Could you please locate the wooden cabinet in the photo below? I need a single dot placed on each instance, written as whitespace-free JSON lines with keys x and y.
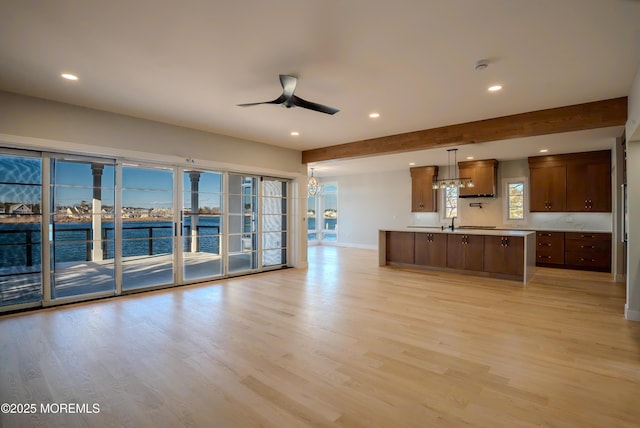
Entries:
{"x":548,"y":187}
{"x":588,"y":250}
{"x":576,"y":182}
{"x":400,"y":247}
{"x":423,"y":196}
{"x":549,"y":248}
{"x":589,"y":182}
{"x":483,"y":173}
{"x":574,"y":250}
{"x":469,"y":253}
{"x":465,"y":252}
{"x":504,"y":254}
{"x":431,"y":249}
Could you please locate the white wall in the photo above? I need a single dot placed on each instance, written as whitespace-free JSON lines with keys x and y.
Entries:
{"x":632,"y":307}
{"x":632,"y":128}
{"x":42,"y":123}
{"x":369,"y":202}
{"x":38,"y":124}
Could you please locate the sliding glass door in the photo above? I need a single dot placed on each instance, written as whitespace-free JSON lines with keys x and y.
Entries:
{"x":274,"y":222}
{"x":81,"y":227}
{"x":148,"y":227}
{"x":20,"y":230}
{"x":78,"y":227}
{"x":201,"y":216}
{"x":242,"y":256}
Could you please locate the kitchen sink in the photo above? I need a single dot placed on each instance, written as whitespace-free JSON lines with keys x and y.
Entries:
{"x":476,"y":227}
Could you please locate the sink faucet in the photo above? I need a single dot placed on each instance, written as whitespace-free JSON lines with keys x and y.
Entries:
{"x":452,"y":227}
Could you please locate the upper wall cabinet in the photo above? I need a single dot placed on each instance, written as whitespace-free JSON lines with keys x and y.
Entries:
{"x":548,"y":180}
{"x":483,"y":173}
{"x":576,"y":182}
{"x":589,"y":182}
{"x":423,"y":196}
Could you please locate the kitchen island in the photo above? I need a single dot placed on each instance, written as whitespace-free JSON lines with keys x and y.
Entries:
{"x":507,"y":254}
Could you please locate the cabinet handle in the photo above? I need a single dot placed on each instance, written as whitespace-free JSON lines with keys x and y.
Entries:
{"x":587,"y":246}
{"x":544,"y":257}
{"x":587,"y":236}
{"x":586,"y":260}
{"x":544,"y":234}
{"x":544,"y":245}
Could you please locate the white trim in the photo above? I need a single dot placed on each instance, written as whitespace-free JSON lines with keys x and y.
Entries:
{"x":443,"y":203}
{"x":631,"y":315}
{"x":353,"y":245}
{"x":505,"y":201}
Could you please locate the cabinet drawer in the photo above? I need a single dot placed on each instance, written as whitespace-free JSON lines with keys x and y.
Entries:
{"x":553,"y":257}
{"x":596,"y":260}
{"x":588,"y":247}
{"x":588,"y":250}
{"x":588,"y":243}
{"x":550,"y":247}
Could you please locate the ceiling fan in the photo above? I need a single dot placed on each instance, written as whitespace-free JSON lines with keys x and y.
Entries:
{"x":288,"y":100}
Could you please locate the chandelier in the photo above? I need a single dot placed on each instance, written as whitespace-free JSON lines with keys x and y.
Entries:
{"x":313,"y":187}
{"x":453,"y":181}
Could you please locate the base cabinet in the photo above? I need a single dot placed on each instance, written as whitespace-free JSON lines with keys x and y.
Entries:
{"x":574,"y":250}
{"x":504,"y":254}
{"x":550,"y":248}
{"x":588,"y":251}
{"x":465,"y":252}
{"x":509,"y":256}
{"x":431,"y":249}
{"x":400,"y":247}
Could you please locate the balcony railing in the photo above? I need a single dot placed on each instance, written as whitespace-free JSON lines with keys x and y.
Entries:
{"x":85,"y":239}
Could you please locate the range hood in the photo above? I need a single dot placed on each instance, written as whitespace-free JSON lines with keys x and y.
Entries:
{"x":484,"y":174}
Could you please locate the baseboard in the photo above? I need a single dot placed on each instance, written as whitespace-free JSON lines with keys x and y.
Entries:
{"x":631,"y":315}
{"x":351,"y":245}
{"x":621,"y":277}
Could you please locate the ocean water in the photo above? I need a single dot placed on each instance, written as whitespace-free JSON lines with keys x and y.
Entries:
{"x":20,"y":243}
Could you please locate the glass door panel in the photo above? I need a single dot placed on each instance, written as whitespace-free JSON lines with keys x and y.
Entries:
{"x":147,"y":227}
{"x":274,"y":222}
{"x":329,"y":217}
{"x":82,"y":201}
{"x":201,"y":225}
{"x":20,"y":230}
{"x":312,"y":234}
{"x":242,"y":230}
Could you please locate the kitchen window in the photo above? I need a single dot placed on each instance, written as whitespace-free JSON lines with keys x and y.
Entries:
{"x":515,"y":209}
{"x":450,"y":202}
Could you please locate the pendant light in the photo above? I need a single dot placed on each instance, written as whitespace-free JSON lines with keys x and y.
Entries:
{"x":454,"y":181}
{"x":313,"y":187}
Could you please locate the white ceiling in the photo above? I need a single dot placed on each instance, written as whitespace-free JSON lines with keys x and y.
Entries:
{"x":190,"y":62}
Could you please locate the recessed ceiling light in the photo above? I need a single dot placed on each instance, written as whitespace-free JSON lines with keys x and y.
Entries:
{"x":412,"y":163}
{"x":544,"y":150}
{"x":469,"y":157}
{"x":294,"y":133}
{"x":495,"y":88}
{"x":374,"y":115}
{"x":69,"y":76}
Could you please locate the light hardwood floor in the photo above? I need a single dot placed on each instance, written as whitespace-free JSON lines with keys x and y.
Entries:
{"x":344,"y":343}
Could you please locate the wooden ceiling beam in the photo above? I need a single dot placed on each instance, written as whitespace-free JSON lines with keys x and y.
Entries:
{"x":598,"y":114}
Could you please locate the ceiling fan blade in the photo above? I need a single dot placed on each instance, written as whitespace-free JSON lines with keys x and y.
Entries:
{"x":281,"y":99}
{"x":297,"y":101}
{"x":288,"y":85}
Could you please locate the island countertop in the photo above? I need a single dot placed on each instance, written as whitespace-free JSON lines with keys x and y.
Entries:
{"x":485,"y":232}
